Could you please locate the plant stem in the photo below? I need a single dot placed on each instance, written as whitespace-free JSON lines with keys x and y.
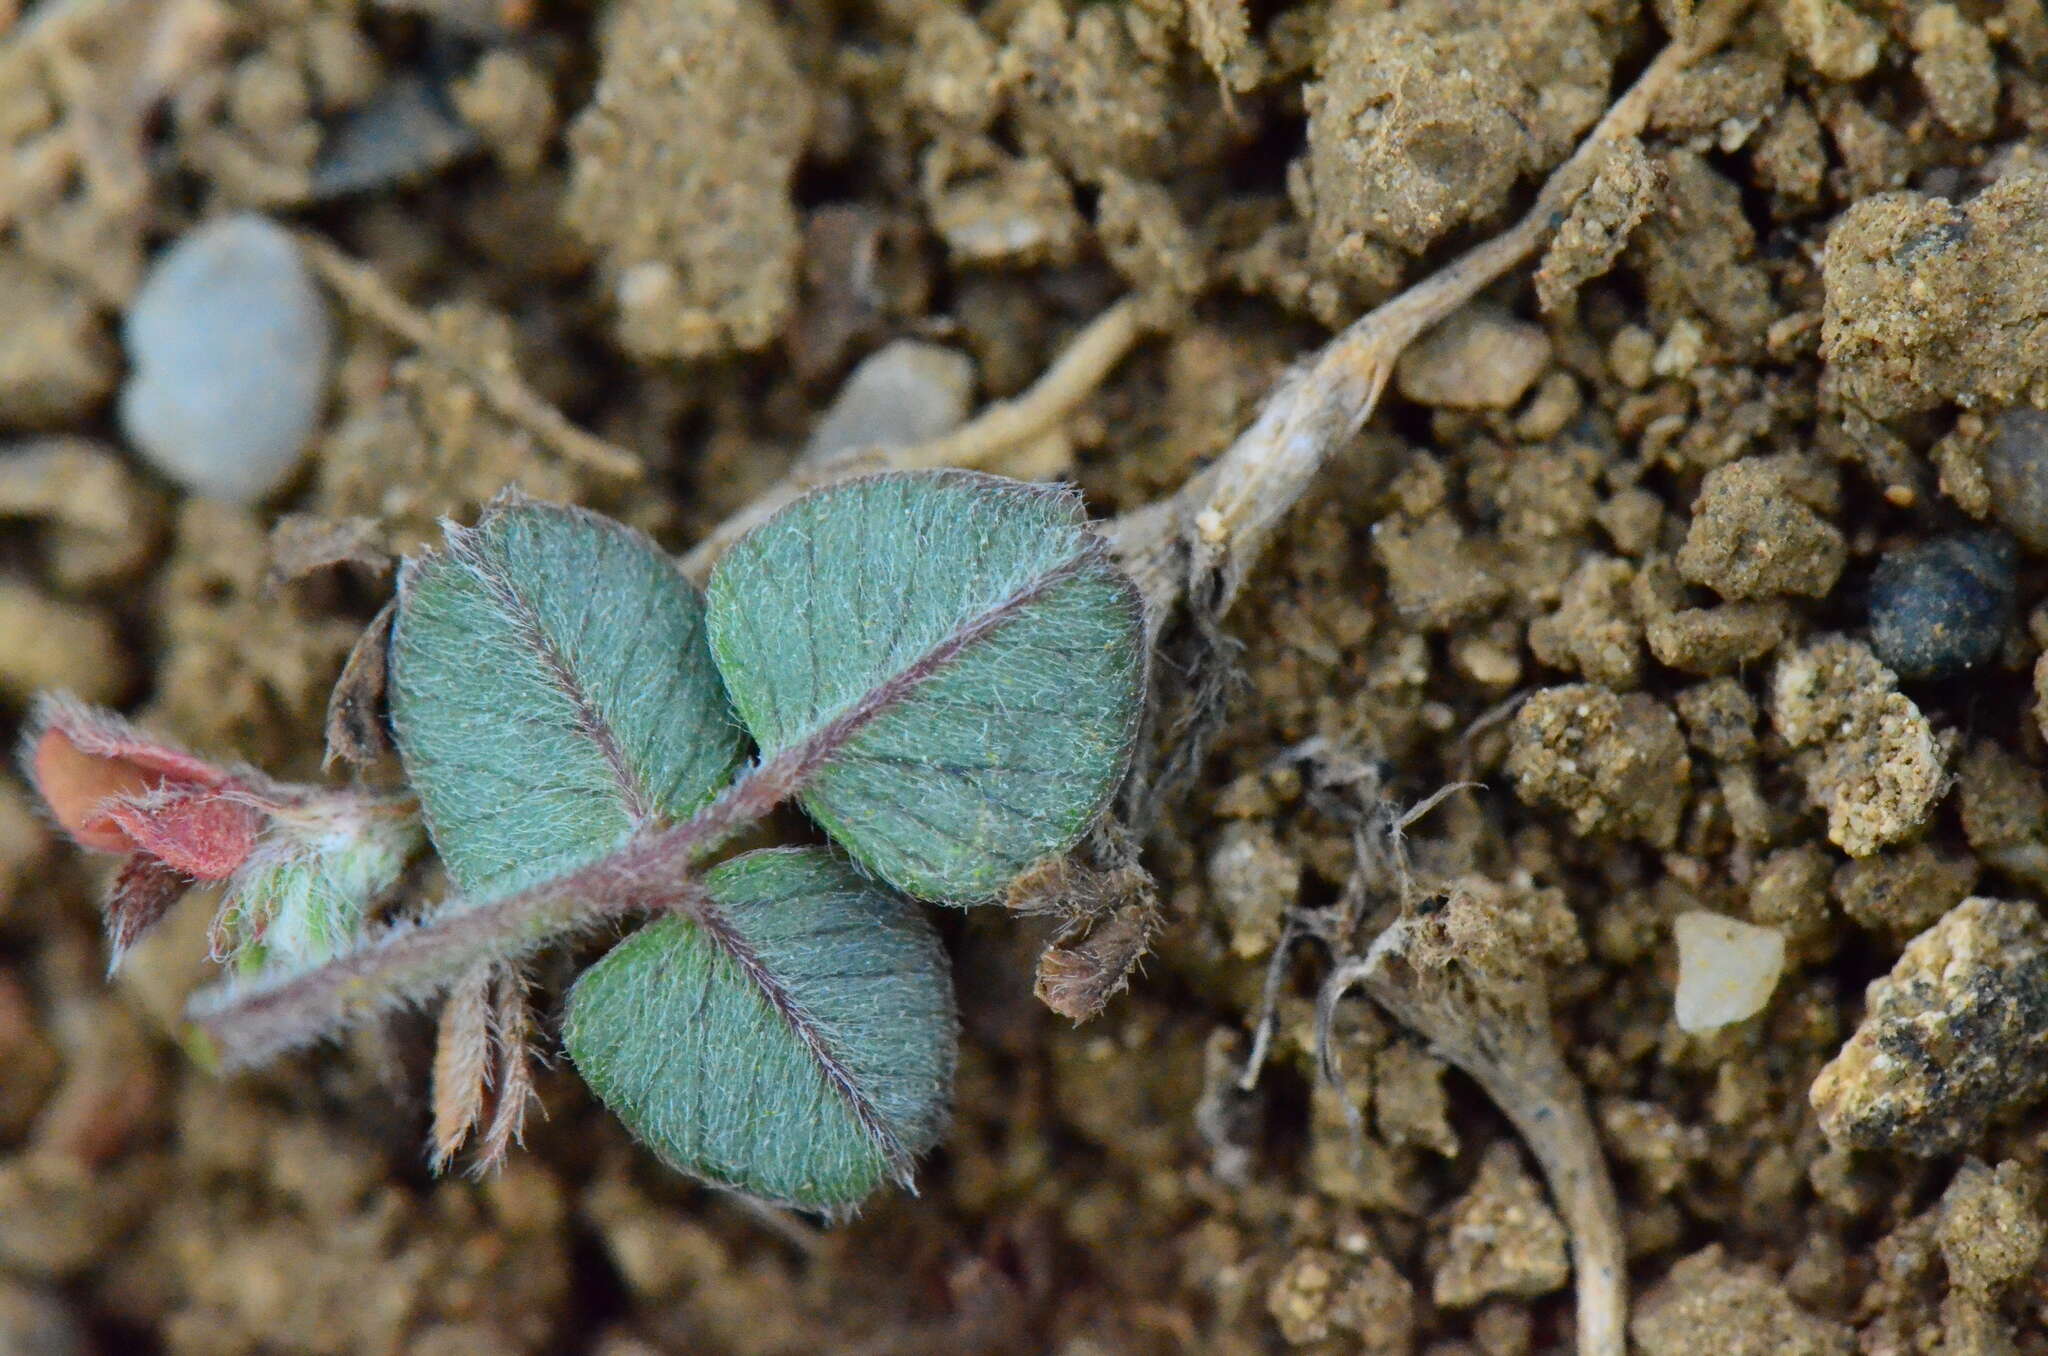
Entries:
{"x":246,"y":1024}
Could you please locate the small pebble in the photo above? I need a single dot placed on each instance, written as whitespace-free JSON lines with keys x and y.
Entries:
{"x":1253,"y":880}
{"x":907,"y":393}
{"x":2016,"y":470}
{"x":1940,"y":608}
{"x":1727,"y":968}
{"x":230,"y":343}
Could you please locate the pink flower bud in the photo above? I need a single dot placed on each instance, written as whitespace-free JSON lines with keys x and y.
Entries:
{"x":115,"y":789}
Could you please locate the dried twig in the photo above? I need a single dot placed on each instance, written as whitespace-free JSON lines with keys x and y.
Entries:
{"x":1471,"y":978}
{"x":983,"y":442}
{"x":1204,"y":540}
{"x":1217,"y":524}
{"x":1491,"y":1020}
{"x":1490,"y":1016}
{"x":358,"y":285}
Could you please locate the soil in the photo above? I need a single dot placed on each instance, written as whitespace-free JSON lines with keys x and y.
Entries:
{"x":1603,"y":553}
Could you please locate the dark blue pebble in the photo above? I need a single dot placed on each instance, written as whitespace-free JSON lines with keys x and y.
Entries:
{"x":1940,"y":607}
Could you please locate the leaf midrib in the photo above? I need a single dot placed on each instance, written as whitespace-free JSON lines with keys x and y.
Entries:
{"x":840,"y":1076}
{"x":797,"y":763}
{"x":524,"y":618}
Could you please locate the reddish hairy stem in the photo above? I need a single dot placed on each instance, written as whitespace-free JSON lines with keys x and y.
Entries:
{"x":248,"y":1024}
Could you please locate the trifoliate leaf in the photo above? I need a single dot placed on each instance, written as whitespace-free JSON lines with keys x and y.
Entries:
{"x":945,"y":664}
{"x":793,"y":1038}
{"x":551,"y":693}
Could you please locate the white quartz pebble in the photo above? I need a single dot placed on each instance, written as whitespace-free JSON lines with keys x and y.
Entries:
{"x":1726,"y":968}
{"x":229,"y":343}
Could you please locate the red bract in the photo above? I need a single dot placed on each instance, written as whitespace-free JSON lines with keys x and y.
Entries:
{"x":114,"y":789}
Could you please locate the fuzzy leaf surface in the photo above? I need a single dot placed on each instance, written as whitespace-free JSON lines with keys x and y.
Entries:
{"x":948,"y":661}
{"x":793,"y":1039}
{"x":551,"y":692}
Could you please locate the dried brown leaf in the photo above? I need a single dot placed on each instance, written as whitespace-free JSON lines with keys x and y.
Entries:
{"x":462,"y":1063}
{"x":512,"y":1027}
{"x":1078,"y":975}
{"x":355,"y":721}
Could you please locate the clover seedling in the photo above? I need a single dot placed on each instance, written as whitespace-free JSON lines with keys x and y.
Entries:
{"x":943,"y":669}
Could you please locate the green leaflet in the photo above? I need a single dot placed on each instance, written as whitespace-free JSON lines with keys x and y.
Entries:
{"x":551,"y":692}
{"x":946,"y":663}
{"x":794,"y":1039}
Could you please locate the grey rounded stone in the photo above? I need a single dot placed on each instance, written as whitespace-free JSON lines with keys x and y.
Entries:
{"x":230,"y":341}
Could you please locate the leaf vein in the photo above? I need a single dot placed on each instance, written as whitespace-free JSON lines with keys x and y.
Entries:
{"x":809,"y":1032}
{"x":525,"y":621}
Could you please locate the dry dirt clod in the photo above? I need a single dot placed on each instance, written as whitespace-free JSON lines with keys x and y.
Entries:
{"x":1423,"y":119}
{"x":1715,"y":640}
{"x":1900,"y":893}
{"x":1253,"y":881}
{"x":1086,"y":97}
{"x":681,"y":174}
{"x":1709,"y":293}
{"x":1652,"y":1141}
{"x":1147,"y":241}
{"x":996,"y":210}
{"x":1869,"y":757}
{"x":1839,"y":42}
{"x":1624,"y":191}
{"x":23,"y":841}
{"x":1720,"y":719}
{"x":1757,"y":531}
{"x":1990,"y":1228}
{"x":1709,"y":1304}
{"x":1956,"y":67}
{"x":2015,"y":475}
{"x":1436,"y":575}
{"x":102,"y":526}
{"x":76,"y":647}
{"x":2004,"y":812}
{"x":1320,"y":1295}
{"x":1594,"y":630}
{"x":1930,"y":301}
{"x":1409,"y":1102}
{"x":1615,"y":765}
{"x":58,"y":364}
{"x":1503,"y":1240}
{"x":1955,"y":1035}
{"x":508,"y":101}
